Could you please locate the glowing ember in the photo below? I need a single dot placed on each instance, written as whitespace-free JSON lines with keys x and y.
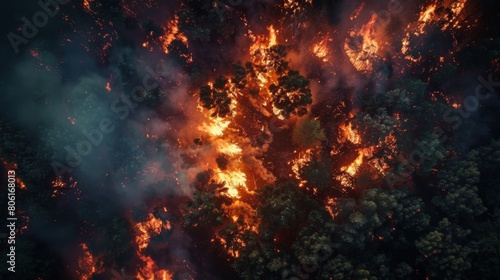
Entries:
{"x":356,"y":12}
{"x":59,"y":185}
{"x":427,"y":16}
{"x":351,"y":135}
{"x":86,"y":5}
{"x":20,"y":184}
{"x":86,"y":263}
{"x":352,"y":168}
{"x":297,"y":164}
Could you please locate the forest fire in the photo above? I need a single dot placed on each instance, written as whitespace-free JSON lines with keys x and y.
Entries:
{"x":20,"y":183}
{"x":361,"y":47}
{"x":432,"y":14}
{"x":262,"y":135}
{"x":60,"y":184}
{"x":215,"y":127}
{"x":152,"y":226}
{"x":320,"y":50}
{"x":349,"y":134}
{"x":86,"y":263}
{"x":172,"y":33}
{"x":296,"y":165}
{"x":150,"y":271}
{"x":233,"y":180}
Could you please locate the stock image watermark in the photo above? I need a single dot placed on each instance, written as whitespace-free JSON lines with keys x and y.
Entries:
{"x":455,"y":117}
{"x":11,"y":220}
{"x":40,"y":19}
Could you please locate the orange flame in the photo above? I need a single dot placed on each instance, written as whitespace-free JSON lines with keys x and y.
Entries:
{"x":262,"y":42}
{"x":20,"y":183}
{"x":86,"y":263}
{"x":320,"y":50}
{"x":233,"y":179}
{"x":150,"y":270}
{"x":152,"y":226}
{"x":356,"y":12}
{"x":59,"y":185}
{"x":350,"y":134}
{"x":172,"y":33}
{"x":299,"y":162}
{"x":362,"y":53}
{"x":215,"y":127}
{"x":428,"y":15}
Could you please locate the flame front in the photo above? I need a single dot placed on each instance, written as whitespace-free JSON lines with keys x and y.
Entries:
{"x":361,"y":47}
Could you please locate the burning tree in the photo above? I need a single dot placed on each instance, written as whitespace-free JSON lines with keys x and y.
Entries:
{"x":258,"y":183}
{"x":291,"y":94}
{"x":216,"y":97}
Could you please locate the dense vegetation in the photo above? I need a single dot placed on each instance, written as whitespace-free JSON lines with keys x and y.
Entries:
{"x":434,"y":215}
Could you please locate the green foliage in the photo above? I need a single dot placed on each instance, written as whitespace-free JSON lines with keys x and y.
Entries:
{"x":444,"y":74}
{"x":275,"y":58}
{"x":390,"y":216}
{"x":486,"y":263}
{"x":152,"y":98}
{"x":317,"y":173}
{"x":488,"y":163}
{"x":117,"y":240}
{"x":374,"y":128}
{"x":22,"y":147}
{"x":279,"y":208}
{"x":431,"y":151}
{"x":107,"y":8}
{"x":313,"y":244}
{"x":206,"y":207}
{"x":308,"y":133}
{"x":258,"y":259}
{"x":458,"y":187}
{"x":443,"y":253}
{"x":188,"y":24}
{"x":216,"y":98}
{"x":292,"y":94}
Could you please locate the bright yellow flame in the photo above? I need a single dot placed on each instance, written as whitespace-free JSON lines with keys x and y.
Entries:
{"x":320,"y":50}
{"x":352,"y":168}
{"x":229,"y":149}
{"x":215,"y":127}
{"x":350,"y":134}
{"x":232,"y":179}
